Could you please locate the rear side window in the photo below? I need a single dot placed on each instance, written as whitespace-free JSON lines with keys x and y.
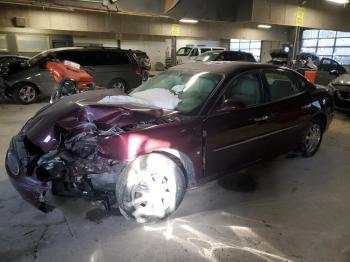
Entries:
{"x":249,"y":57}
{"x":282,"y":84}
{"x":117,"y":58}
{"x":97,"y":58}
{"x":203,"y":50}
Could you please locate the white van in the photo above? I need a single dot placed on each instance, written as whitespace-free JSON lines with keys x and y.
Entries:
{"x":189,"y":53}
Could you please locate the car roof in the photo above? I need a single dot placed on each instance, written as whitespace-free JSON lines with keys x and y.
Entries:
{"x":222,"y":67}
{"x":86,"y":49}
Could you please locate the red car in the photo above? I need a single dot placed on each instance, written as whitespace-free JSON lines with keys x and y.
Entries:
{"x":178,"y":130}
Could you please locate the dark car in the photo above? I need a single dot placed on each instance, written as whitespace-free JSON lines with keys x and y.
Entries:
{"x":181,"y":128}
{"x":110,"y":67}
{"x":280,"y":57}
{"x":340,"y":88}
{"x":225,"y":56}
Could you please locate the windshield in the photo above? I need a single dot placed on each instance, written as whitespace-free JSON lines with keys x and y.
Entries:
{"x":184,"y":51}
{"x":178,"y":90}
{"x":35,"y":59}
{"x":208,"y":56}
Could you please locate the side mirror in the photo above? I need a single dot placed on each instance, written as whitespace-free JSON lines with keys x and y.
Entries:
{"x":335,"y":73}
{"x":230,"y":105}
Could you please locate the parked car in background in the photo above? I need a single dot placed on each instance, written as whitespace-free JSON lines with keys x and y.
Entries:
{"x":178,"y":130}
{"x":109,"y":67}
{"x":279,"y":57}
{"x":144,"y":63}
{"x":306,"y":56}
{"x":340,"y":88}
{"x":6,"y":59}
{"x":189,"y":53}
{"x":225,"y":56}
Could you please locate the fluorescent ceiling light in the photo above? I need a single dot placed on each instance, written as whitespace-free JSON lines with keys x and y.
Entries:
{"x":343,"y":2}
{"x":264,"y":26}
{"x":188,"y":21}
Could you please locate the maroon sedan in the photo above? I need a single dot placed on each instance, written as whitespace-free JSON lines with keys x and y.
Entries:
{"x":182,"y":128}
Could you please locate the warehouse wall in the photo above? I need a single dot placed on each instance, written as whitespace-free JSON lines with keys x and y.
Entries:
{"x":90,"y":41}
{"x":156,"y":50}
{"x":83,"y":21}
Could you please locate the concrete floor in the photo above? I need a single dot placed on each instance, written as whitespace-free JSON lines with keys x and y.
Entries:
{"x":289,"y":209}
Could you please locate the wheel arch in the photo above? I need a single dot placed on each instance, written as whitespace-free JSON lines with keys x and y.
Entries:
{"x":25,"y":82}
{"x":183,"y":161}
{"x":323,"y":118}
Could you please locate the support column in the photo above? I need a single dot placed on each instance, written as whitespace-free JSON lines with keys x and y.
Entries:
{"x":173,"y":50}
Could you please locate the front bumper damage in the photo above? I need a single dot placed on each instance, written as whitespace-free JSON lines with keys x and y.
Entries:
{"x":17,"y":167}
{"x":91,"y":177}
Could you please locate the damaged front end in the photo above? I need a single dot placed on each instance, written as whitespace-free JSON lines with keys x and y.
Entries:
{"x":66,"y":154}
{"x":74,"y":168}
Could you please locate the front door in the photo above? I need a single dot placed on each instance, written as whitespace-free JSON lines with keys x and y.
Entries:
{"x":234,"y":135}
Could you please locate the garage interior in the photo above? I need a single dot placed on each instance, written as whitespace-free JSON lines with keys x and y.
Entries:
{"x":287,"y":209}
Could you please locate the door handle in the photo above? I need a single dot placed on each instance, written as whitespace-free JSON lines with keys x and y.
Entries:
{"x":261,"y":119}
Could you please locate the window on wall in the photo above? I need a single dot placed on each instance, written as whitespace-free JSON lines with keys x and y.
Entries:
{"x":3,"y":42}
{"x":329,"y":44}
{"x":249,"y":46}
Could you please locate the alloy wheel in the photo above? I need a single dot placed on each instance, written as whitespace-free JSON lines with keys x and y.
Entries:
{"x":27,"y":94}
{"x":119,"y":85}
{"x":154,"y":195}
{"x":313,"y":138}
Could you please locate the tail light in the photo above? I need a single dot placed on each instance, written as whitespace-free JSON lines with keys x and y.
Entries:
{"x":137,"y":70}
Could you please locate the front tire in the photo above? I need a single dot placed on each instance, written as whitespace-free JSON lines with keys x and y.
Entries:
{"x":25,"y":93}
{"x":312,"y":138}
{"x":150,"y":188}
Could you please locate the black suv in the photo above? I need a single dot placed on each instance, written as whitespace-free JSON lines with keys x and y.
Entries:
{"x":110,"y":68}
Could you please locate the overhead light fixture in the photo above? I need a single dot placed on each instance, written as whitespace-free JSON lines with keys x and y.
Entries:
{"x":188,"y":21}
{"x":264,"y":26}
{"x":341,"y":2}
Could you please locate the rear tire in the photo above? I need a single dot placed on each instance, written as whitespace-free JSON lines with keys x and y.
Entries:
{"x":150,"y":188}
{"x":25,"y":93}
{"x":312,"y":138}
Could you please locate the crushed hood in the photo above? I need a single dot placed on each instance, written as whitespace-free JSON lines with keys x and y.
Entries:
{"x":70,"y":111}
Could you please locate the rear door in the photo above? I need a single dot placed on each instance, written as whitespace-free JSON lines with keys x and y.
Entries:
{"x":289,"y":103}
{"x":107,"y":66}
{"x":237,"y":137}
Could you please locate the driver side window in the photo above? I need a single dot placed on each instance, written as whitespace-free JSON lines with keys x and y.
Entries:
{"x":245,"y":90}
